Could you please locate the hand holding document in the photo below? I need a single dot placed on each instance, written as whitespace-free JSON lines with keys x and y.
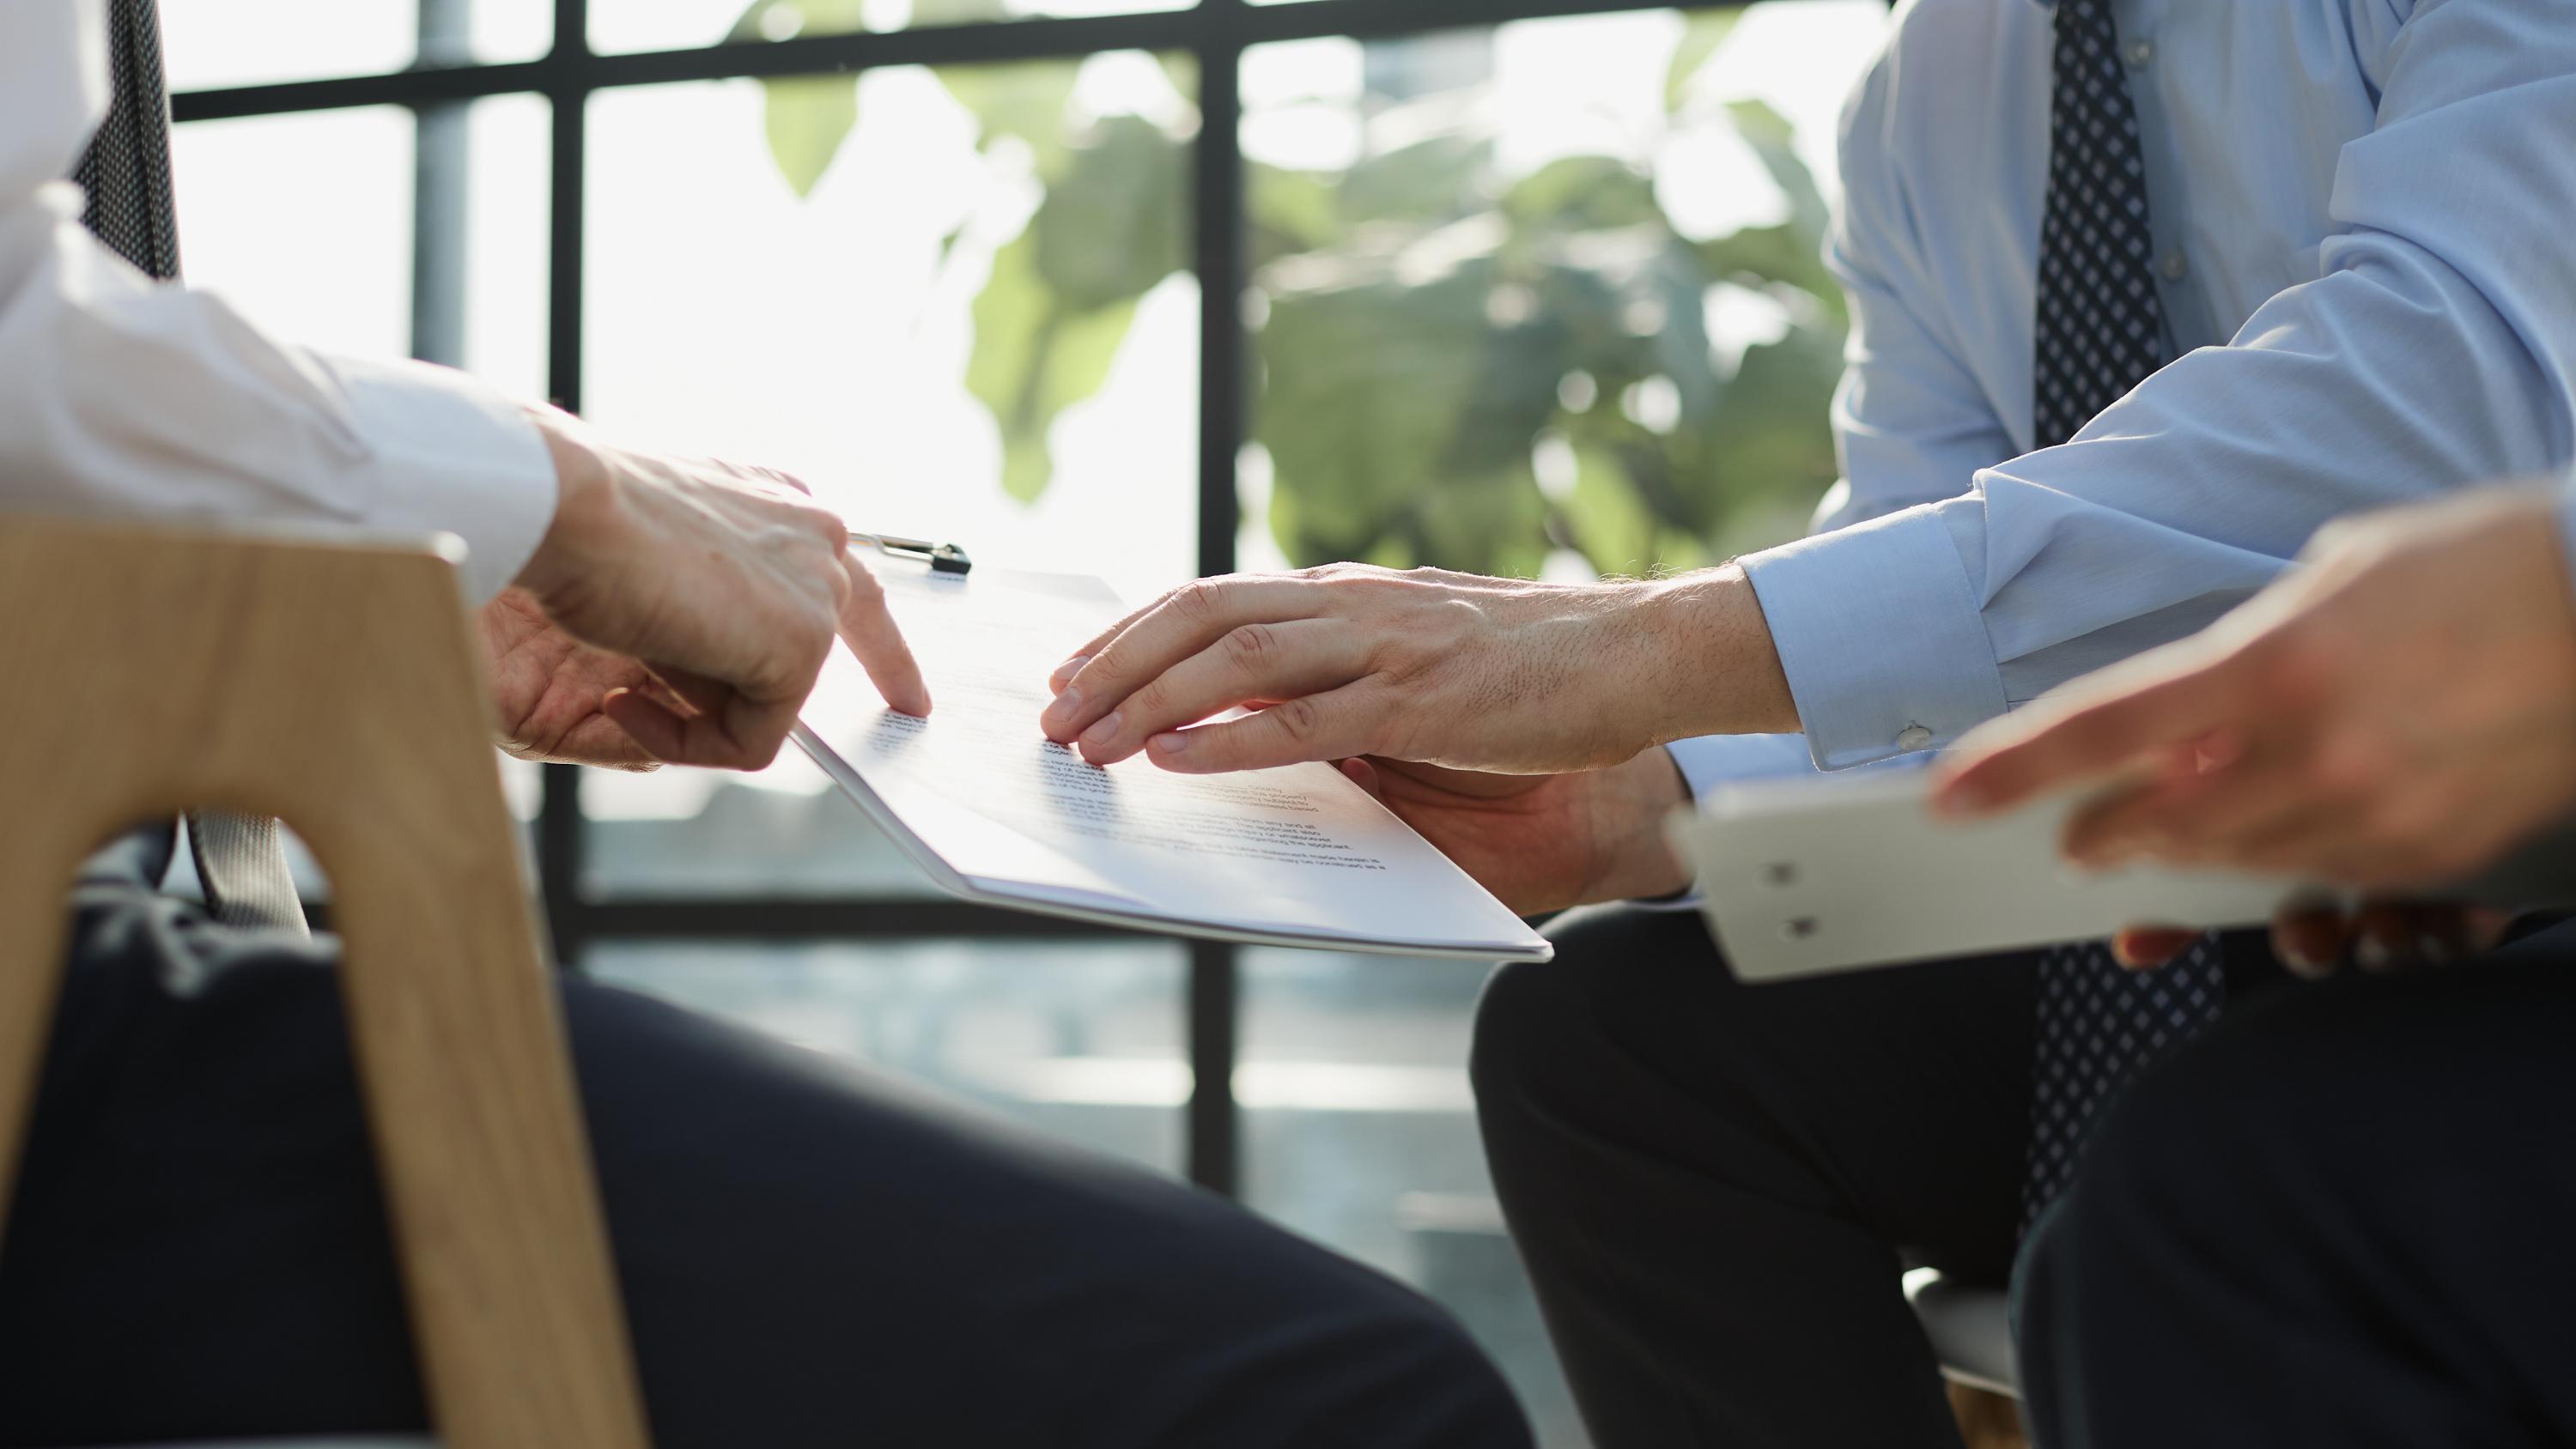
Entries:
{"x":992,"y":811}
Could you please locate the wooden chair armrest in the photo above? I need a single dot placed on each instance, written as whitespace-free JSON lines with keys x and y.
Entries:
{"x":340,"y":686}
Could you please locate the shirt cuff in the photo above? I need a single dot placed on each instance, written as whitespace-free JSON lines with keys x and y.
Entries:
{"x":1881,"y":637}
{"x":1713,"y":760}
{"x":451,"y":456}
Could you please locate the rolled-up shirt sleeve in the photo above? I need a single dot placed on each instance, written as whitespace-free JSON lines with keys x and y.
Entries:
{"x":2433,"y":349}
{"x":131,"y":398}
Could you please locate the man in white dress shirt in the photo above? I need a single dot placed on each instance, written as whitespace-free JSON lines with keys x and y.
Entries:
{"x":2292,"y":260}
{"x":809,"y":1256}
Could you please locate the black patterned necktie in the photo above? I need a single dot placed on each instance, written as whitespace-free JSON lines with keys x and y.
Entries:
{"x":241,"y":859}
{"x":2100,"y":332}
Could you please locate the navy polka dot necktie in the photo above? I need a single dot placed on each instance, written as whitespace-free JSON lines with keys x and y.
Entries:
{"x":241,"y":859}
{"x":2100,"y":332}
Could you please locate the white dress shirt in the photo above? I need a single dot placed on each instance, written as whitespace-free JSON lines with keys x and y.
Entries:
{"x":121,"y":396}
{"x":2365,"y":214}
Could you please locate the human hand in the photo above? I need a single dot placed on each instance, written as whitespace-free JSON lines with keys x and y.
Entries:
{"x":2317,"y":938}
{"x":1427,"y":666}
{"x":1543,"y":842}
{"x":689,"y":604}
{"x":550,"y":688}
{"x":2400,"y":710}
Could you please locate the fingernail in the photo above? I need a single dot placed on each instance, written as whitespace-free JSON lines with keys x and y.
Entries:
{"x":1168,"y":745}
{"x":1958,"y":800}
{"x":1103,"y":731}
{"x":1063,"y":708}
{"x":2303,"y":964}
{"x":1067,"y":670}
{"x":2371,"y":953}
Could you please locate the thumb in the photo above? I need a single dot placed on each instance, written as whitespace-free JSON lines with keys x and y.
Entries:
{"x":1363,"y":774}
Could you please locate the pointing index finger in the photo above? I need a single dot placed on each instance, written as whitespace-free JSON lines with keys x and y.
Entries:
{"x":869,"y":628}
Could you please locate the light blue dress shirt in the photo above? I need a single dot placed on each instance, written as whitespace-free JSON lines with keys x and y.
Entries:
{"x":2365,"y":214}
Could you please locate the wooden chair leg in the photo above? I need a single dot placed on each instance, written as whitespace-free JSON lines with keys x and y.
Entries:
{"x":1987,"y":1420}
{"x":339,"y":686}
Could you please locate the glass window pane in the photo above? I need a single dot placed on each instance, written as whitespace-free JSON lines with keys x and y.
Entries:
{"x":213,"y":43}
{"x":1082,"y":1042}
{"x":1546,"y":298}
{"x":304,"y":222}
{"x":957,"y":303}
{"x":507,"y":230}
{"x":1359,"y":1130}
{"x":625,"y":25}
{"x":331,"y":265}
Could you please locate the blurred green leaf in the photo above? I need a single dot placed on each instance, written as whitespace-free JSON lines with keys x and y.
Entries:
{"x":807,"y":119}
{"x":957,"y":12}
{"x":1782,"y":254}
{"x":1113,"y":227}
{"x":1034,"y":357}
{"x":1495,"y":522}
{"x":1605,"y":520}
{"x":1583,"y":193}
{"x":1424,"y":319}
{"x":1772,"y":138}
{"x":1292,"y":212}
{"x":1367,"y":381}
{"x":786,"y":19}
{"x":1703,"y":32}
{"x":1027,"y":101}
{"x":1182,"y":69}
{"x":1442,"y":178}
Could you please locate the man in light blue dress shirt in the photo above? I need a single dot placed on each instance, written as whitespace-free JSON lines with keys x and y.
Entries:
{"x":2361,"y":216}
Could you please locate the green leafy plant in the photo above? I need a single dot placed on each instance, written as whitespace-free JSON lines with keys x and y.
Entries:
{"x":1456,"y":367}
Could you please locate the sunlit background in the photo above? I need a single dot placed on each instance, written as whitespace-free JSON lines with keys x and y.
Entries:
{"x":1538,"y":297}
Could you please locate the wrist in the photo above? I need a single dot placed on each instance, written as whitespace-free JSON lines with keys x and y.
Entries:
{"x":585,"y":501}
{"x":1713,"y":669}
{"x":1642,"y":797}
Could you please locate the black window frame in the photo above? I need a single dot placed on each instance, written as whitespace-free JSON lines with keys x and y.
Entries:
{"x":1215,"y":33}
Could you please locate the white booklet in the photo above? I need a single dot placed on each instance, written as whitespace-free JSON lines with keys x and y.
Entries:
{"x":993,"y":811}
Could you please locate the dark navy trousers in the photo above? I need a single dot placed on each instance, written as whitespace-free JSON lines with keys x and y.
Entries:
{"x":810,"y":1255}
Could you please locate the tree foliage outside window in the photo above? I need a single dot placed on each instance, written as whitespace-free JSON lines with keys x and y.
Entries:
{"x":1456,"y":367}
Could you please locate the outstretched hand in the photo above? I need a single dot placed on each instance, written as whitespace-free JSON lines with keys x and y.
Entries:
{"x":1441,"y":668}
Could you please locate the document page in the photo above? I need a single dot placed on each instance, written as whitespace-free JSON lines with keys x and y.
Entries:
{"x":994,"y":810}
